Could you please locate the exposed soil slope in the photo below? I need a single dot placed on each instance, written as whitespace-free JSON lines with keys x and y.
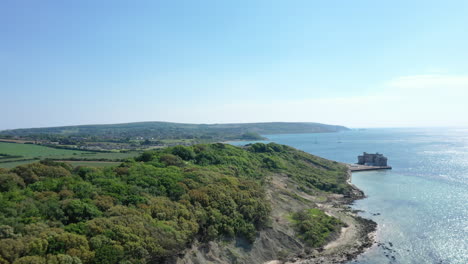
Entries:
{"x":279,"y":243}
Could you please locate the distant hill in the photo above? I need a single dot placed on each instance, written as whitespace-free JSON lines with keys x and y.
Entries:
{"x":165,"y":130}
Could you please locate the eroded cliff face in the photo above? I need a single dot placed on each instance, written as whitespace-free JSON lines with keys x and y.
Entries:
{"x":279,"y":242}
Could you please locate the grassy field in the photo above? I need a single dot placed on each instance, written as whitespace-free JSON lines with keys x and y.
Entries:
{"x":32,"y":151}
{"x":12,"y":164}
{"x":97,"y":164}
{"x":14,"y":154}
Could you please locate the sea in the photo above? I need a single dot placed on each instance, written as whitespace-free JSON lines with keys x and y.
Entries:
{"x":421,"y":205}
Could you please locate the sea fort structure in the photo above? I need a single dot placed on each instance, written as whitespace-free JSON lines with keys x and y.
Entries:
{"x":369,"y":161}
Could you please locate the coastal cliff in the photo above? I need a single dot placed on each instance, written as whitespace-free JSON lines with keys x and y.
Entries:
{"x":279,"y":243}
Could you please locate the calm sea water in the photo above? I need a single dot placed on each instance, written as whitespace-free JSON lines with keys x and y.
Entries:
{"x":421,"y":206}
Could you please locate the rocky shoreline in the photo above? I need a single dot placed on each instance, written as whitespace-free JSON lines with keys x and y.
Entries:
{"x":354,"y":240}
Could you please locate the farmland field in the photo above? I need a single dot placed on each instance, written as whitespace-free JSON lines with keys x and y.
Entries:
{"x":13,"y":154}
{"x":12,"y":164}
{"x":97,"y":164}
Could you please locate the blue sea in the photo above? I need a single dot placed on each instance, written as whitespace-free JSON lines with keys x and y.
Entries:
{"x":421,"y":205}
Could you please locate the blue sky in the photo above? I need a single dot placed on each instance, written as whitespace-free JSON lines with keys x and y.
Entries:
{"x":353,"y":63}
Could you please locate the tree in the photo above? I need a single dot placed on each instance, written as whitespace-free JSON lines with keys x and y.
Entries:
{"x":10,"y":181}
{"x":77,"y":210}
{"x":31,"y":260}
{"x":185,"y":153}
{"x":26,"y":173}
{"x":109,"y":254}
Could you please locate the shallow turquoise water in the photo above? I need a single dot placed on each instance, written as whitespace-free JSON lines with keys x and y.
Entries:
{"x":425,"y":219}
{"x":421,"y":206}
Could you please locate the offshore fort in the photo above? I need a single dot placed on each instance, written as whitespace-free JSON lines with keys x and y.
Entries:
{"x":368,"y":161}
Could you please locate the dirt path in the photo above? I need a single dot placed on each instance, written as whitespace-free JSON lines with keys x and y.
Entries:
{"x":347,"y":233}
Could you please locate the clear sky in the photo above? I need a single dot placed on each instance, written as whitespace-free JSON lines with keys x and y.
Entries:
{"x":353,"y":63}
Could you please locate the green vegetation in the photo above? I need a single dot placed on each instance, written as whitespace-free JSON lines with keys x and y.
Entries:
{"x":314,"y":226}
{"x":12,"y":154}
{"x":152,"y":207}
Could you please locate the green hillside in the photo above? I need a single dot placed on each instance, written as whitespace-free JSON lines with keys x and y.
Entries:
{"x":151,"y":208}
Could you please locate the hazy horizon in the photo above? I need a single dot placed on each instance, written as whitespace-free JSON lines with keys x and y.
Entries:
{"x":360,"y":64}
